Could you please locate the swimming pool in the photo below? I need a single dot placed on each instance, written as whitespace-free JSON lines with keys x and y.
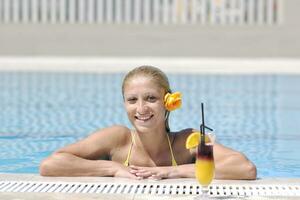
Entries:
{"x":256,"y":114}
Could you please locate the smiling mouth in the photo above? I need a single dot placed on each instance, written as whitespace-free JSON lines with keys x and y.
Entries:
{"x":144,"y":118}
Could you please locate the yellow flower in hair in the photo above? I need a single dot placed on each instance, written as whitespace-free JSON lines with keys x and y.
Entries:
{"x":172,"y":101}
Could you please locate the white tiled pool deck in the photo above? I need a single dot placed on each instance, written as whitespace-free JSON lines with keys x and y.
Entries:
{"x":295,"y":182}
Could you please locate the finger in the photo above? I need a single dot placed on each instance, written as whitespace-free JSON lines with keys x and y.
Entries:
{"x":147,"y":173}
{"x":156,"y":177}
{"x":142,"y":170}
{"x":133,"y":176}
{"x":133,"y":171}
{"x":144,"y":174}
{"x":135,"y":167}
{"x":136,"y":171}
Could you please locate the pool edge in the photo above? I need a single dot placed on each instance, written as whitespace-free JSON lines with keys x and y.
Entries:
{"x":167,"y":64}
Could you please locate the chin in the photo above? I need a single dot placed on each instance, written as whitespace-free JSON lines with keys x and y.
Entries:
{"x":142,"y":128}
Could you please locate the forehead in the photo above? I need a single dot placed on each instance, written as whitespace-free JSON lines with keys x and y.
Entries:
{"x":142,"y":83}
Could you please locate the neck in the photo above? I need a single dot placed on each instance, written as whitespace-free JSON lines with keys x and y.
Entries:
{"x":153,"y":142}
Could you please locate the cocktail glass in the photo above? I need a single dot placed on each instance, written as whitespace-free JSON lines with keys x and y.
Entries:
{"x":205,"y":166}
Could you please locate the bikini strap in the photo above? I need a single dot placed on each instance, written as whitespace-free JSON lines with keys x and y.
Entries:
{"x":174,"y":163}
{"x":126,"y":162}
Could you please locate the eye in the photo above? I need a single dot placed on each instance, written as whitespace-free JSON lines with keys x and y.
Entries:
{"x":151,"y":98}
{"x":131,"y":100}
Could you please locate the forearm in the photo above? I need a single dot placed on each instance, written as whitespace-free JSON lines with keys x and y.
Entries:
{"x":65,"y":164}
{"x":235,"y":167}
{"x":231,"y":168}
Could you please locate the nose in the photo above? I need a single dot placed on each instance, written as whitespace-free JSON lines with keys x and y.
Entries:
{"x":142,"y":107}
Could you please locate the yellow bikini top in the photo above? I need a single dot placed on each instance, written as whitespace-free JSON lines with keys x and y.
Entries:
{"x":126,"y":162}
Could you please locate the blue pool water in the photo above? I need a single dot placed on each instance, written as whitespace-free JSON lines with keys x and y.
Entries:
{"x":256,"y":114}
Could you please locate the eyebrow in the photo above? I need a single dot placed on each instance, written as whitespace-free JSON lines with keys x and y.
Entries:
{"x":129,"y":96}
{"x":150,"y":94}
{"x":145,"y":94}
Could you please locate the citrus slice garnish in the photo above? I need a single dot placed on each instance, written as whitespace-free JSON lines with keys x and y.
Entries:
{"x":192,"y":140}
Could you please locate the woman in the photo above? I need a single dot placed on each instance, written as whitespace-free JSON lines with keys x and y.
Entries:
{"x":149,"y":150}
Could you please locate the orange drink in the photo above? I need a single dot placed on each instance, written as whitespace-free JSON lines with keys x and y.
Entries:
{"x":205,"y":166}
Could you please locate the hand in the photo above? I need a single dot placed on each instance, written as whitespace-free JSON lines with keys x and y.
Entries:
{"x":124,"y":172}
{"x":155,"y":173}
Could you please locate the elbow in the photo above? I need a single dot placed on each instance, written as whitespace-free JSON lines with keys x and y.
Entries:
{"x":251,"y":171}
{"x":47,"y":166}
{"x":246,"y":169}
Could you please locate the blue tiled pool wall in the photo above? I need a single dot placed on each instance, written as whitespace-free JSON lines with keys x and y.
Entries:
{"x":41,"y":112}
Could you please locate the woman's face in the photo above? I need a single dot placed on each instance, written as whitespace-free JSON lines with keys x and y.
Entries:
{"x":144,"y":103}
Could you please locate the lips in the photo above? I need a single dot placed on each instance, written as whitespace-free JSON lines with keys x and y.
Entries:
{"x":143,"y":118}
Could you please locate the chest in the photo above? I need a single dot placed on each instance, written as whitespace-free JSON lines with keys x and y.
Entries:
{"x":139,"y":157}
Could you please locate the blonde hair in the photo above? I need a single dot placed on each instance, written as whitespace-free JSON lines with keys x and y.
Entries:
{"x":156,"y":75}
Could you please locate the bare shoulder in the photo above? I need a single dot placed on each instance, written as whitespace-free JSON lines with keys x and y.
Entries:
{"x":181,"y":136}
{"x":100,"y":143}
{"x":110,"y":134}
{"x":118,"y":129}
{"x":184,"y":133}
{"x":182,"y":155}
{"x":116,"y":134}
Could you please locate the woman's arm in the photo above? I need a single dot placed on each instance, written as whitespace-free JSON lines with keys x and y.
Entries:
{"x":82,"y":158}
{"x":67,"y":164}
{"x":231,"y":164}
{"x":234,"y":167}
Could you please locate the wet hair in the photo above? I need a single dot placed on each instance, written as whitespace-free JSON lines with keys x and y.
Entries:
{"x":157,"y":76}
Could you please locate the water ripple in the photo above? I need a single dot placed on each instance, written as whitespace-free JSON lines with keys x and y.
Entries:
{"x":258,"y":115}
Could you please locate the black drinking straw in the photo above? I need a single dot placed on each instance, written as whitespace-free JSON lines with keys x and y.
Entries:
{"x":202,"y":128}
